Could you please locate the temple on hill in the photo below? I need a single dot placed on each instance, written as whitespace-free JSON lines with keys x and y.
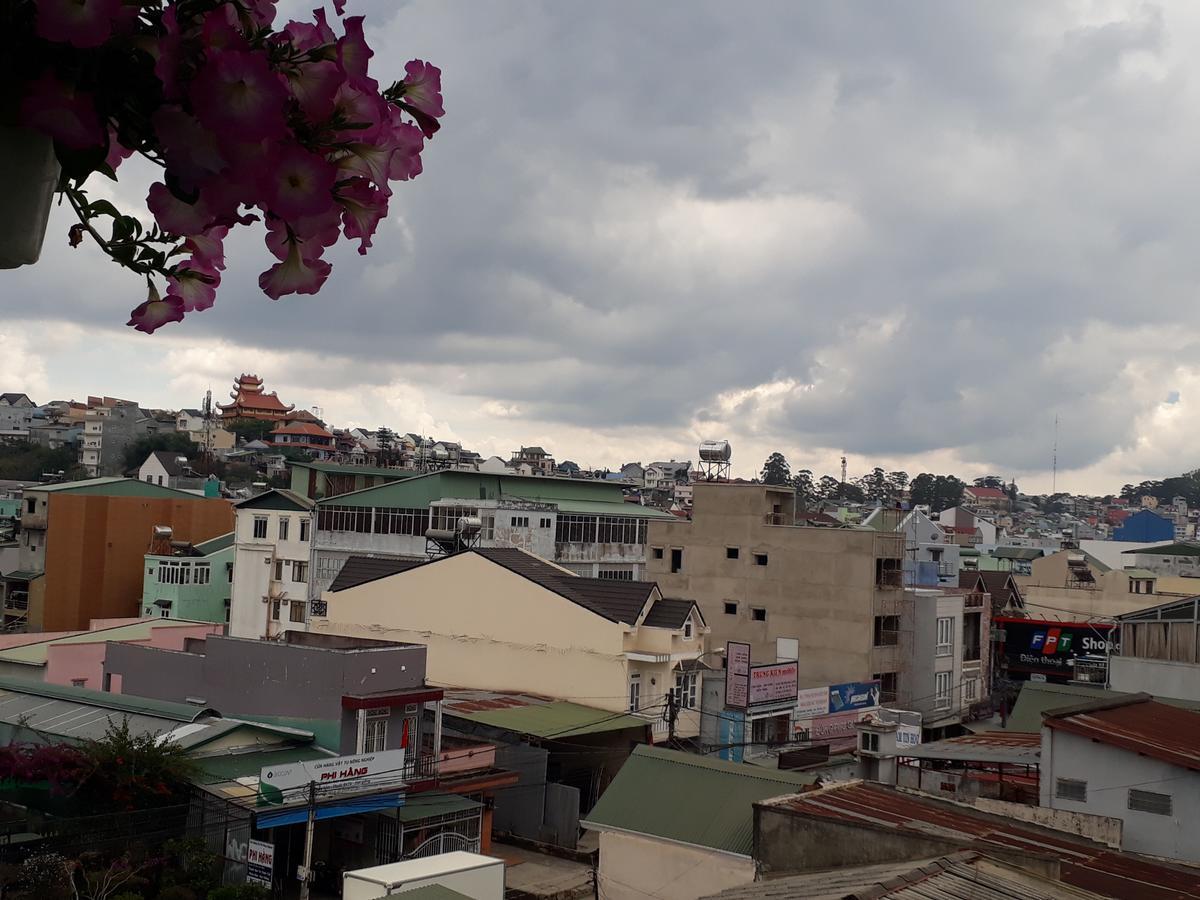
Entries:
{"x":249,"y":402}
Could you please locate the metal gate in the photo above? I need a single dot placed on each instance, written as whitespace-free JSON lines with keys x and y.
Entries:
{"x":444,"y":842}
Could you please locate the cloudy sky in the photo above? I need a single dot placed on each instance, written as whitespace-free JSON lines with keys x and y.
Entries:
{"x":915,"y":233}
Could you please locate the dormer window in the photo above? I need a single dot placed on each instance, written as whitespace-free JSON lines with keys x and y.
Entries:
{"x":689,"y":629}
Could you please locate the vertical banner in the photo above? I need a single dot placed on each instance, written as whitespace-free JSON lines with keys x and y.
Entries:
{"x":737,"y":675}
{"x":260,"y":863}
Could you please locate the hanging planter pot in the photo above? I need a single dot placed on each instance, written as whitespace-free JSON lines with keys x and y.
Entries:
{"x":28,"y":177}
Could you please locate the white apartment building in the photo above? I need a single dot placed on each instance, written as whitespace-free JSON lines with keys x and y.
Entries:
{"x":272,"y":542}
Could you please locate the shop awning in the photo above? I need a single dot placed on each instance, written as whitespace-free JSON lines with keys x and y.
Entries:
{"x":428,"y":806}
{"x":349,"y":807}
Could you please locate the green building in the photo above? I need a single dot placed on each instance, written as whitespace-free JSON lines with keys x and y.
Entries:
{"x":192,"y":581}
{"x":315,"y":480}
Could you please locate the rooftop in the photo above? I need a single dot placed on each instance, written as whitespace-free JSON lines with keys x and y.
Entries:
{"x":276,"y":498}
{"x":530,"y":714}
{"x":303,"y":428}
{"x":669,"y":613}
{"x":1137,"y":723}
{"x":216,"y":545}
{"x":113,"y":486}
{"x":689,"y":799}
{"x":1036,"y":698}
{"x":986,"y":493}
{"x":338,"y":469}
{"x":35,"y":654}
{"x":1085,"y":864}
{"x":1012,"y":747}
{"x":1180,"y":548}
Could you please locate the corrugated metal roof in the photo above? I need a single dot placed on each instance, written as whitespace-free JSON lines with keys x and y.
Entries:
{"x":1084,"y":864}
{"x":1018,"y":748}
{"x":232,"y":766}
{"x":690,"y":799}
{"x":35,"y":654}
{"x":958,"y":876}
{"x":536,"y":716}
{"x":424,"y":806}
{"x":1136,"y":723}
{"x":114,"y":486}
{"x":215,"y":545}
{"x":362,"y":569}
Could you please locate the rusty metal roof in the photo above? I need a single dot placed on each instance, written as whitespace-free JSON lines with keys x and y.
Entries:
{"x":1015,"y":747}
{"x":1137,"y":723}
{"x":1084,"y":863}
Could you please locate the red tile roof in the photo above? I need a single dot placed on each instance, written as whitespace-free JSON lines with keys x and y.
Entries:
{"x":1136,"y":723}
{"x":303,"y":428}
{"x":1084,"y":864}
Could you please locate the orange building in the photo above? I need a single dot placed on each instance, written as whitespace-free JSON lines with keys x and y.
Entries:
{"x":250,"y":402}
{"x":84,"y":543}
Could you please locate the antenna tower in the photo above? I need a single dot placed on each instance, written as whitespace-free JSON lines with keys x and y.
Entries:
{"x":208,"y":431}
{"x":843,"y":468}
{"x":1054,"y":460}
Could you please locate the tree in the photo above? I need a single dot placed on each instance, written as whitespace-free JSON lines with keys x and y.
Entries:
{"x":899,"y":483}
{"x":875,"y":486}
{"x":171,"y":441}
{"x":24,"y":461}
{"x":251,"y":429}
{"x":805,"y":487}
{"x":135,"y":770}
{"x":828,"y":488}
{"x":386,"y":439}
{"x":849,"y":493}
{"x":776,"y":470}
{"x":938,"y":492}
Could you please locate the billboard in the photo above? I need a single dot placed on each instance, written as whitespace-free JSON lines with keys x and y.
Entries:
{"x":737,"y":675}
{"x":853,"y":695}
{"x":333,"y":776}
{"x":1038,"y":649}
{"x":812,"y":702}
{"x":774,"y":683}
{"x":836,"y":730}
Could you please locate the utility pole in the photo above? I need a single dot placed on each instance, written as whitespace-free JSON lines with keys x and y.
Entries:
{"x":308,"y":840}
{"x":671,"y":716}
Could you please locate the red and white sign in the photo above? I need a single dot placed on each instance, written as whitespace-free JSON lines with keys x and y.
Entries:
{"x":737,"y":674}
{"x":812,"y":702}
{"x":774,"y":683}
{"x":837,"y":731}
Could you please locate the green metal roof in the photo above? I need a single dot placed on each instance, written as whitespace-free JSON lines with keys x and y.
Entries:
{"x":1038,"y":697}
{"x":231,"y":766}
{"x":690,"y":799}
{"x":608,"y":508}
{"x":335,"y":469}
{"x":276,"y":498}
{"x":1023,"y":553}
{"x":163,"y":709}
{"x":216,"y":545}
{"x":1176,"y":549}
{"x":424,"y":806}
{"x":554,"y":719}
{"x":112,"y":487}
{"x":35,"y":654}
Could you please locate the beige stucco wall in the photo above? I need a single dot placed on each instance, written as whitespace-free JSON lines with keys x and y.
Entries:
{"x":1046,"y":594}
{"x":633,"y":867}
{"x":489,"y":628}
{"x":818,"y":585}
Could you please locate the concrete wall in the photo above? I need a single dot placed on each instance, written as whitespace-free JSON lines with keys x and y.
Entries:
{"x":633,"y":867}
{"x":68,"y":662}
{"x":818,"y":585}
{"x":1110,"y":773}
{"x":490,"y":628}
{"x":254,"y":573}
{"x":1104,"y":829}
{"x":1133,"y":674}
{"x":95,"y":551}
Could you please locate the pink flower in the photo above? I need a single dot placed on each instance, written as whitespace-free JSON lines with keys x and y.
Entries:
{"x":208,"y":247}
{"x":167,"y":52}
{"x":308,"y":37}
{"x":66,"y":115}
{"x":367,"y":111}
{"x":81,"y":23}
{"x":354,"y":55}
{"x":190,"y":150}
{"x":222,"y":31}
{"x":339,"y":7}
{"x":116,"y":151}
{"x":156,"y":312}
{"x":238,"y":96}
{"x":295,"y":275}
{"x":174,"y":215}
{"x":262,"y":12}
{"x":299,"y":183}
{"x":311,"y":234}
{"x":407,"y":143}
{"x":362,"y":208}
{"x":315,"y":85}
{"x":195,"y":284}
{"x":423,"y":88}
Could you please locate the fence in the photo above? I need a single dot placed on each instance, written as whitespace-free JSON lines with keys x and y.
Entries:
{"x":26,"y":832}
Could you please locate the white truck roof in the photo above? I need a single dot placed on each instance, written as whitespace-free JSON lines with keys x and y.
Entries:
{"x":428,"y":867}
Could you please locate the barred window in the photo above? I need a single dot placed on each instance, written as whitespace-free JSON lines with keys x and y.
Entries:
{"x":575,"y":530}
{"x":621,"y":530}
{"x":616,"y":574}
{"x":344,"y":518}
{"x":395,"y":520}
{"x":1150,"y":802}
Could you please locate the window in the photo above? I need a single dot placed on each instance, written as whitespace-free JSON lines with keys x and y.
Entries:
{"x":284,"y":523}
{"x":300,"y":572}
{"x":1071,"y":789}
{"x":887,"y":631}
{"x":228,"y":604}
{"x":160,"y":480}
{"x":658,"y":552}
{"x":772,"y":730}
{"x":889,"y":686}
{"x":164,"y":612}
{"x":758,"y":613}
{"x":971,"y":689}
{"x":274,"y":610}
{"x":375,"y":729}
{"x":388,"y":520}
{"x":760,"y":559}
{"x":150,"y":479}
{"x":543,"y":523}
{"x":304,"y":523}
{"x":730,"y":608}
{"x":31,"y":505}
{"x":616,"y":574}
{"x":688,"y":629}
{"x":202,"y":574}
{"x":945,"y":636}
{"x":1143,"y":801}
{"x":941,"y":688}
{"x":620,"y":530}
{"x":229,"y":571}
{"x":347,"y":518}
{"x":731,"y":552}
{"x":676,"y":559}
{"x":520,"y":521}
{"x":684,"y":692}
{"x":78,"y":682}
{"x":279,"y":570}
{"x":296,"y":611}
{"x":260,"y":527}
{"x":575,"y":530}
{"x":635,"y":693}
{"x":870,"y":742}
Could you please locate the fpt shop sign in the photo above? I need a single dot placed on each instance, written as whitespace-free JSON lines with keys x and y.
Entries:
{"x":1049,"y":649}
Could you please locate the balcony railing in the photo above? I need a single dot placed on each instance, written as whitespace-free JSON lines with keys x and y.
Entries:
{"x":975,"y":600}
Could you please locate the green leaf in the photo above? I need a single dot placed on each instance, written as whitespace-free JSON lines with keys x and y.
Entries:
{"x":103,"y":208}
